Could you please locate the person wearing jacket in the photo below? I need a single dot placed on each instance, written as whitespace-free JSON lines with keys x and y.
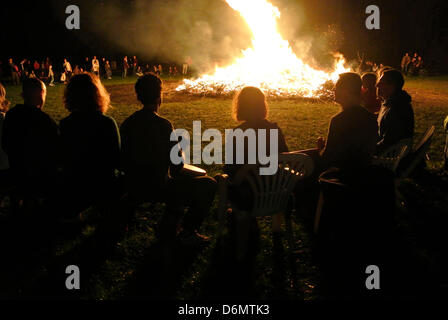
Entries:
{"x":396,"y":116}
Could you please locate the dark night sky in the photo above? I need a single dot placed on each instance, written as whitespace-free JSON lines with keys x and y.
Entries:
{"x":37,"y":28}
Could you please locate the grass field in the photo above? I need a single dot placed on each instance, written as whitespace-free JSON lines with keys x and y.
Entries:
{"x":132,"y":268}
{"x":302,"y":121}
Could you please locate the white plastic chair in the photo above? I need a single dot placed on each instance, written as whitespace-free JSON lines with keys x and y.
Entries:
{"x":415,"y":155}
{"x":418,"y":152}
{"x":271,"y":194}
{"x":389,"y":159}
{"x":392,"y":156}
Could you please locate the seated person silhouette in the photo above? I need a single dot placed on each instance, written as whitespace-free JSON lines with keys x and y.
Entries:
{"x":396,"y":117}
{"x":31,"y":140}
{"x":250,"y":108}
{"x":348,"y":177}
{"x":358,"y":200}
{"x":348,"y":148}
{"x":90,"y":143}
{"x":150,"y":174}
{"x":352,"y":184}
{"x":353,"y":132}
{"x":370,"y":100}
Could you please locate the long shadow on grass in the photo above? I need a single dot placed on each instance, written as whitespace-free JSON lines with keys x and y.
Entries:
{"x":229,"y":278}
{"x":162,"y":271}
{"x":88,"y":255}
{"x":28,"y":247}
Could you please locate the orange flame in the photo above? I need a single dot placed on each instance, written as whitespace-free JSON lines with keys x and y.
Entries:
{"x":269,"y":64}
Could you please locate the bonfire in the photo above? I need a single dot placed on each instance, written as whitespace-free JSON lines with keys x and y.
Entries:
{"x":286,"y":74}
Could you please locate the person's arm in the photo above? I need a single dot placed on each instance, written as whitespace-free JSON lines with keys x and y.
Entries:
{"x":282,"y":146}
{"x":174,"y":168}
{"x":371,"y":145}
{"x":124,"y":150}
{"x":334,"y":147}
{"x":115,"y":144}
{"x":55,"y":134}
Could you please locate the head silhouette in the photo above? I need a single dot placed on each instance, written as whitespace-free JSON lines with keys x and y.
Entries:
{"x":369,"y":80}
{"x":250,"y":105}
{"x":391,"y":82}
{"x":85,"y":92}
{"x":34,"y":92}
{"x":149,"y":91}
{"x":348,"y":89}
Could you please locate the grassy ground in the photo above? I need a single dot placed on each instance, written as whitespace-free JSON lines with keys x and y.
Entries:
{"x":134,"y":269}
{"x":302,"y":121}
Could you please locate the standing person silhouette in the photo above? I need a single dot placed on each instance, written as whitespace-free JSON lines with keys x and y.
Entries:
{"x":125,"y":67}
{"x":405,"y":61}
{"x":96,"y":66}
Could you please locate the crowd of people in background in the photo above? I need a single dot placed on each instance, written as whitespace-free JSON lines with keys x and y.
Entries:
{"x":412,"y":65}
{"x":409,"y":66}
{"x":131,"y":66}
{"x":103,"y":68}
